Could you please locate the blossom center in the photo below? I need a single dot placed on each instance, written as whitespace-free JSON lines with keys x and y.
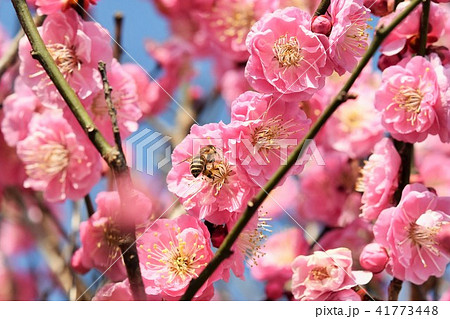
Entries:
{"x":271,"y":133}
{"x":319,"y":273}
{"x":113,"y":238}
{"x":48,"y":160}
{"x":236,"y":24}
{"x":218,"y":174}
{"x":250,"y":240}
{"x":424,"y":237}
{"x":409,"y":100}
{"x":287,"y":51}
{"x":65,"y":58}
{"x":176,"y":260}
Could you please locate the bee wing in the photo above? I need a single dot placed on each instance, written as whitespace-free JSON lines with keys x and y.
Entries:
{"x":189,"y":159}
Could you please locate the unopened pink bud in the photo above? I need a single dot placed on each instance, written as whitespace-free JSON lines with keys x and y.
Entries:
{"x":321,"y":24}
{"x":386,"y":61}
{"x":443,"y":238}
{"x":380,"y":7}
{"x":374,"y":258}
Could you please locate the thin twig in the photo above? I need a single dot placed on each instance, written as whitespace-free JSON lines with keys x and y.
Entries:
{"x":118,"y":22}
{"x":89,"y":207}
{"x":224,"y":250}
{"x":115,"y":159}
{"x":424,"y":27}
{"x":107,"y":89}
{"x":394,"y":289}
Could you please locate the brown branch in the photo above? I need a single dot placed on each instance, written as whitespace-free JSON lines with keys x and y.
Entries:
{"x":322,"y":8}
{"x":107,"y":89}
{"x":89,"y":207}
{"x":394,"y":289}
{"x":118,"y":22}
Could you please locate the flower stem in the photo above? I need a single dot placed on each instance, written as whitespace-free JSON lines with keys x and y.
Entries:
{"x":224,"y":250}
{"x":112,"y":155}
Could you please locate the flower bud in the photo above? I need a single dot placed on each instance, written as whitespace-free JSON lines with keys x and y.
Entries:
{"x":321,"y":24}
{"x":386,"y":61}
{"x":374,"y":258}
{"x":442,"y":51}
{"x":443,"y":238}
{"x":274,"y":290}
{"x":380,"y":7}
{"x":218,"y":234}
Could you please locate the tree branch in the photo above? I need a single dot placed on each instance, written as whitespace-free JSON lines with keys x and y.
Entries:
{"x":117,"y":49}
{"x":322,"y":8}
{"x":424,"y":27}
{"x":224,"y":250}
{"x":113,"y":156}
{"x":107,"y":89}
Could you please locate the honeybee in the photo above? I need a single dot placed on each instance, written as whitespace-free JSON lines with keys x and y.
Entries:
{"x":202,"y":162}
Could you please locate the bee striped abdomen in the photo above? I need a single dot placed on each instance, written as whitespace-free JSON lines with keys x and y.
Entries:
{"x":197,"y":165}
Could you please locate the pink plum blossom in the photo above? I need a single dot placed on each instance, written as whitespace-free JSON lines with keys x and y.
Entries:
{"x":265,"y":131}
{"x":13,"y":168}
{"x":379,"y":179}
{"x":173,"y":58}
{"x":286,"y":58}
{"x":282,"y":198}
{"x":410,"y":102}
{"x":380,"y":7}
{"x":104,"y":232}
{"x":6,"y":79}
{"x":45,"y":7}
{"x":15,"y":237}
{"x":118,"y":291}
{"x":228,"y":22}
{"x":220,"y":195}
{"x":353,"y":236}
{"x":16,"y":285}
{"x":336,"y":179}
{"x":342,"y":295}
{"x":142,"y":81}
{"x":76,"y":46}
{"x":409,"y":232}
{"x":125,"y":101}
{"x":171,"y":253}
{"x":114,"y":291}
{"x":348,"y":37}
{"x":248,"y":247}
{"x":58,"y":162}
{"x":434,"y":173}
{"x":233,"y":83}
{"x":18,"y":108}
{"x":356,"y":127}
{"x":323,"y":272}
{"x":280,"y":250}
